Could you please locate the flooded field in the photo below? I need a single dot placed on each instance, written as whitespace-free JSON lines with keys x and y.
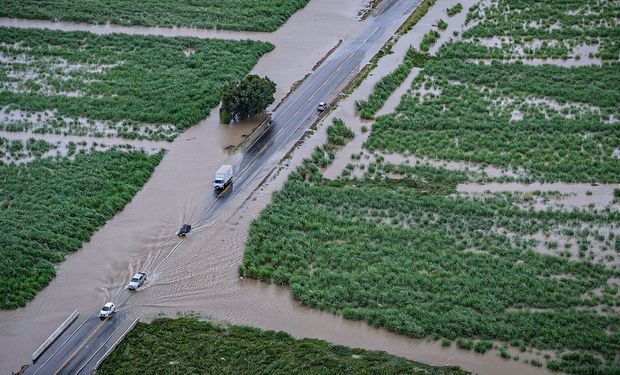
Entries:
{"x":144,"y":230}
{"x":198,"y":274}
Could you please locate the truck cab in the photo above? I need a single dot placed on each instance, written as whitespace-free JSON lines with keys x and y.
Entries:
{"x":223,"y":177}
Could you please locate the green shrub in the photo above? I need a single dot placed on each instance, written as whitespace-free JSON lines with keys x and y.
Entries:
{"x":428,"y":40}
{"x":464,"y":344}
{"x":453,"y":11}
{"x":338,"y":132}
{"x":483,"y":346}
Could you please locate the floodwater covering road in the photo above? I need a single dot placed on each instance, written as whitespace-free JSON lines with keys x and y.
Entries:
{"x":142,"y":231}
{"x":199,"y":273}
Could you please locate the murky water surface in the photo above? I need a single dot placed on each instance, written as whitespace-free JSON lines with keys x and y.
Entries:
{"x":199,"y":273}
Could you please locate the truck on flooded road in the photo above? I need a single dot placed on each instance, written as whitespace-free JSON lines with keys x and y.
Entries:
{"x":223,"y":177}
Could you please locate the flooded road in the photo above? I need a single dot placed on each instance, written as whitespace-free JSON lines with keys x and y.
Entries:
{"x":199,"y":273}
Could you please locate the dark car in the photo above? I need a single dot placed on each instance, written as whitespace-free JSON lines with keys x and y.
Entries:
{"x":185,"y":229}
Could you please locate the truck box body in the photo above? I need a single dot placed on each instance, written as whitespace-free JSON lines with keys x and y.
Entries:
{"x":223,"y":176}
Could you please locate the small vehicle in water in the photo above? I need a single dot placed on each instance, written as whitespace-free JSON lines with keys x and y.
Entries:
{"x":223,"y":177}
{"x":107,"y":310}
{"x":137,"y":280}
{"x":185,"y":229}
{"x":322,"y":106}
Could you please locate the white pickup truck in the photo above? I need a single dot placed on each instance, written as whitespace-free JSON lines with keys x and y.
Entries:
{"x":223,"y":177}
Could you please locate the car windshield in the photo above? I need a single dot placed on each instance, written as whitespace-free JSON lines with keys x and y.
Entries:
{"x":218,"y":181}
{"x":105,"y":308}
{"x":135,"y":280}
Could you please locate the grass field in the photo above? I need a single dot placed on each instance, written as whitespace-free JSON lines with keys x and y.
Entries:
{"x":251,"y":15}
{"x":50,"y":206}
{"x":397,"y":246}
{"x":547,"y":29}
{"x":550,"y":122}
{"x":143,"y":85}
{"x":186,"y":345}
{"x":422,"y":264}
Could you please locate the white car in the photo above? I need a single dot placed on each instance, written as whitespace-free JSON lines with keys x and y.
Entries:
{"x":322,"y":106}
{"x":137,"y":280}
{"x":107,"y":310}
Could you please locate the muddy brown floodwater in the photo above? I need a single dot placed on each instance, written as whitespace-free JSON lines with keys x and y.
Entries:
{"x":199,"y":273}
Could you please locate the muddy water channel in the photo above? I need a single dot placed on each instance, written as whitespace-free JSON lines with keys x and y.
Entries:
{"x":199,"y":273}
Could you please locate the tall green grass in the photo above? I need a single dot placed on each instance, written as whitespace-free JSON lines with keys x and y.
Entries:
{"x":49,"y":207}
{"x":565,"y":24}
{"x":388,"y":84}
{"x":250,"y":15}
{"x":143,"y":78}
{"x":427,"y":264}
{"x":464,"y":122}
{"x":186,"y":345}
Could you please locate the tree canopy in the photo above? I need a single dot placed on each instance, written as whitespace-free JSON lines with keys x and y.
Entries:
{"x":251,"y":96}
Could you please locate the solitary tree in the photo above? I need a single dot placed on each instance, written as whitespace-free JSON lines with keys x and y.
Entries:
{"x":249,"y":97}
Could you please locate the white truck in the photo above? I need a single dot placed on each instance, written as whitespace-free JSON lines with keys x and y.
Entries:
{"x":223,"y":177}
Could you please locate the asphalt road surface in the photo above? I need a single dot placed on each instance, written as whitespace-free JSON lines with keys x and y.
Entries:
{"x":80,"y":347}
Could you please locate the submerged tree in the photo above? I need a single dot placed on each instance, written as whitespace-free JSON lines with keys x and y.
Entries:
{"x":251,"y":96}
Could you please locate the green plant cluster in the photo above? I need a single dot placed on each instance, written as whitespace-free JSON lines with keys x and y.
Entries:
{"x":423,"y":264}
{"x":66,"y":126}
{"x":388,"y":84}
{"x":118,"y":77}
{"x":246,"y":98}
{"x":428,"y":40}
{"x":463,"y":123}
{"x":186,"y":345}
{"x":380,"y":170}
{"x":49,"y":207}
{"x":416,"y":16}
{"x":453,"y":11}
{"x":442,"y":25}
{"x":16,"y":149}
{"x":567,"y":23}
{"x":338,"y":133}
{"x":250,"y":15}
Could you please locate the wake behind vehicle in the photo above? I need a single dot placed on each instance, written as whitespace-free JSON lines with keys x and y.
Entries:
{"x":107,"y":310}
{"x":223,"y":177}
{"x":137,"y":280}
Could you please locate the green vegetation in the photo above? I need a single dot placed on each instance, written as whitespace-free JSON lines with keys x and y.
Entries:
{"x":442,"y":25}
{"x":186,"y":345}
{"x":416,"y":16}
{"x":51,"y":206}
{"x":388,"y":84}
{"x":264,"y":15}
{"x":554,"y":28}
{"x":453,"y":11}
{"x":398,"y":247}
{"x":338,"y":132}
{"x":428,"y":40}
{"x":470,"y":119}
{"x":421,"y":264}
{"x":116,"y":77}
{"x":16,"y":150}
{"x":251,"y":96}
